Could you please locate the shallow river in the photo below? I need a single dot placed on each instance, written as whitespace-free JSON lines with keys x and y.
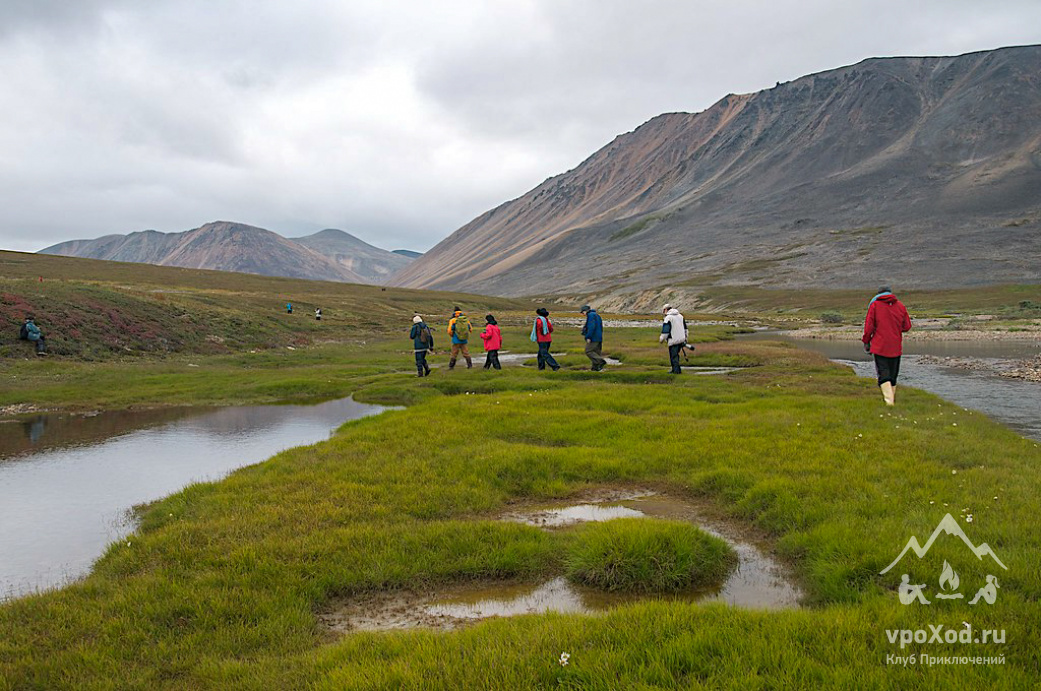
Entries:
{"x":1015,"y":402}
{"x":68,"y":482}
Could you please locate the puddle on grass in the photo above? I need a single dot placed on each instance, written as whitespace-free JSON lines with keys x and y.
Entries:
{"x":758,"y":582}
{"x":710,"y":370}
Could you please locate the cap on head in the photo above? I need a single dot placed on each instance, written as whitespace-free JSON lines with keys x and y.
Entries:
{"x":416,"y":319}
{"x":666,"y":307}
{"x":542,"y":312}
{"x":585,"y":308}
{"x":885,"y":289}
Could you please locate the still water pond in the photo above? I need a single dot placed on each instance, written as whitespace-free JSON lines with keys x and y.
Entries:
{"x":68,"y":482}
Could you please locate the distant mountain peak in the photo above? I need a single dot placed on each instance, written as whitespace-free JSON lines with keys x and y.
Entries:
{"x":924,"y":170}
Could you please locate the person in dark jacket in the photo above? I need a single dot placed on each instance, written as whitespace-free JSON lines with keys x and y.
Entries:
{"x":541,"y":333}
{"x":422,"y":342}
{"x":593,"y":332}
{"x":884,"y":328}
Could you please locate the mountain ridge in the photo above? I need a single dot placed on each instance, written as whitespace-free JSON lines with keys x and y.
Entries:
{"x":812,"y":182}
{"x":230,"y":246}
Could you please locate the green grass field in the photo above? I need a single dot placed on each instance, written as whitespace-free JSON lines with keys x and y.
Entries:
{"x":221,"y":585}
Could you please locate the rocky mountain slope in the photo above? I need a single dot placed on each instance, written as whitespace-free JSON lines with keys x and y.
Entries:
{"x":373,"y":264}
{"x":226,"y":246}
{"x":924,"y":172}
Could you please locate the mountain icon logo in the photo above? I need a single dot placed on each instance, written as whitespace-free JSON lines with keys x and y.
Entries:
{"x":950,"y":526}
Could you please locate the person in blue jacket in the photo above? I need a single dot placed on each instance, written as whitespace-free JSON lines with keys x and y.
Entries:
{"x":593,"y":332}
{"x":422,"y":343}
{"x":34,"y":335}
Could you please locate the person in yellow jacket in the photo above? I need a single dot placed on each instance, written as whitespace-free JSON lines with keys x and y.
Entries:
{"x":459,"y":328}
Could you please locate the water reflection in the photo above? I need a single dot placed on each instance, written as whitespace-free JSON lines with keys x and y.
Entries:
{"x":64,"y":502}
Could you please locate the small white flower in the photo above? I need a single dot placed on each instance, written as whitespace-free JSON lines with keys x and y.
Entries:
{"x":128,"y":544}
{"x":954,"y":424}
{"x":954,"y":472}
{"x":564,"y":657}
{"x":932,"y":502}
{"x":968,"y":519}
{"x":967,"y":624}
{"x":995,"y":498}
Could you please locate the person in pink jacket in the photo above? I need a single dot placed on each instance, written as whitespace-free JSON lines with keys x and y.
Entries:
{"x":492,"y":338}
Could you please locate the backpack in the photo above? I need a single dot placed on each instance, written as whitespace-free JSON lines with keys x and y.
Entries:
{"x":462,"y":328}
{"x":23,"y":333}
{"x":425,"y":337}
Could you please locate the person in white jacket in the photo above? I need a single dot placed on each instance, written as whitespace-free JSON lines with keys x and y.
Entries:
{"x":674,"y":333}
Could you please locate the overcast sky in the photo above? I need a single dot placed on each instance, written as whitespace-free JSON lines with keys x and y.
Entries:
{"x":395,"y":121}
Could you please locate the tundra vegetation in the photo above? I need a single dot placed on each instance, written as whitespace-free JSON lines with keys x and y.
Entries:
{"x":221,"y":584}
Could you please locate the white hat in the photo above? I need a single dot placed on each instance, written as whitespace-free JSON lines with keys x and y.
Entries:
{"x":666,"y":308}
{"x":416,"y":319}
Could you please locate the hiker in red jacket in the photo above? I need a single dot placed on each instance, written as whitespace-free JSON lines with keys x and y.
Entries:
{"x":884,"y":328}
{"x":492,"y":338}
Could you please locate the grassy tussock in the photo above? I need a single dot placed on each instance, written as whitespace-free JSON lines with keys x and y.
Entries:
{"x":644,"y":556}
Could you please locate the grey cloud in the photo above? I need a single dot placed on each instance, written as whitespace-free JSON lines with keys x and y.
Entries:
{"x":398,"y":122}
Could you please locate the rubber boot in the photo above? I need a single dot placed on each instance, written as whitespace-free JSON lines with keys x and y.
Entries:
{"x":887,"y":393}
{"x":469,"y":363}
{"x":426,"y":369}
{"x":451,"y":364}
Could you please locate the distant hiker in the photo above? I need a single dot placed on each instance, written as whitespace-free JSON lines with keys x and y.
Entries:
{"x":459,"y":328}
{"x":541,"y":333}
{"x":884,"y":328}
{"x":674,"y":334}
{"x":318,"y":313}
{"x":593,"y":332}
{"x":492,"y":338}
{"x":289,"y":308}
{"x":34,"y":335}
{"x":422,"y":342}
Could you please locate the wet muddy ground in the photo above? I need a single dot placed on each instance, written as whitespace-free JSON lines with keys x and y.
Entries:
{"x":758,"y":582}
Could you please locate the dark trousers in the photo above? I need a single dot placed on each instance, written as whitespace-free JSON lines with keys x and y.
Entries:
{"x":593,"y":349}
{"x":41,"y":345}
{"x":674,"y":358}
{"x":491,"y":359}
{"x":544,"y":358}
{"x":421,"y":363}
{"x":887,"y":369}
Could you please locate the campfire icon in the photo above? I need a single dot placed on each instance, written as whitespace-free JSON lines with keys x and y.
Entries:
{"x":948,"y":581}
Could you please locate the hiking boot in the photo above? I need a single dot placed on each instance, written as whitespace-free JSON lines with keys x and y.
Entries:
{"x":451,"y":364}
{"x":888,"y":393}
{"x":469,"y":363}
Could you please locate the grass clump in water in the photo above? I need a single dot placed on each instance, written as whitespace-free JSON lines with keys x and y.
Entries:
{"x":647,"y":556}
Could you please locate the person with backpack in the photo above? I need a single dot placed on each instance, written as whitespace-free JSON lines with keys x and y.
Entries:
{"x":34,"y":335}
{"x":593,"y":332}
{"x":289,"y":308}
{"x":884,"y":328}
{"x":674,"y":334}
{"x":422,"y":343}
{"x":492,"y":338}
{"x":541,"y":333}
{"x":318,"y":314}
{"x":459,"y":328}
